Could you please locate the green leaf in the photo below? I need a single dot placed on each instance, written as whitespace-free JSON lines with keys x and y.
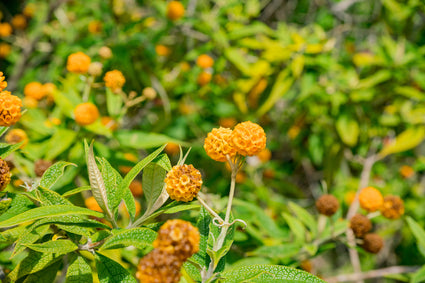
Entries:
{"x":76,"y":191}
{"x":3,"y":130}
{"x":96,"y":181}
{"x":79,"y":271}
{"x":417,"y":231}
{"x":59,"y":142}
{"x":263,"y":273}
{"x":49,"y":197}
{"x":348,"y":129}
{"x":296,"y":227}
{"x":58,"y":246}
{"x":113,"y":182}
{"x":45,"y":275}
{"x":137,"y":237}
{"x":48,"y":211}
{"x":282,"y":252}
{"x":34,"y":262}
{"x":130,"y":204}
{"x":419,"y":276}
{"x":7,"y":149}
{"x":111,"y":271}
{"x":19,"y":204}
{"x":141,"y":140}
{"x":53,"y":173}
{"x":375,"y":79}
{"x":280,"y":88}
{"x":153,"y":183}
{"x":305,"y":217}
{"x":408,"y":139}
{"x":32,"y":234}
{"x":113,"y":103}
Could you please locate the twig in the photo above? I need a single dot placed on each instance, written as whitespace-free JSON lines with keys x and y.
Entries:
{"x":372,"y":274}
{"x":22,"y":64}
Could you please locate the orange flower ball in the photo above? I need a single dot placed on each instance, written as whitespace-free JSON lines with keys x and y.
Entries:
{"x":175,"y":10}
{"x":86,"y":114}
{"x":78,"y":63}
{"x":248,"y":138}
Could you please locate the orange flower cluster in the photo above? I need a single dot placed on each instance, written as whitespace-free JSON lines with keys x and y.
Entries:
{"x":371,"y":199}
{"x":114,"y":80}
{"x":10,"y":105}
{"x":393,"y":207}
{"x":86,"y":113}
{"x":247,"y":138}
{"x":183,"y":182}
{"x":35,"y":90}
{"x":204,"y":61}
{"x":4,"y":174}
{"x":78,"y":63}
{"x":5,"y":29}
{"x":175,"y":10}
{"x":177,"y":241}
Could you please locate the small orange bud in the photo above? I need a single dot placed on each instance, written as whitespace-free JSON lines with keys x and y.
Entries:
{"x":114,"y":80}
{"x":204,"y":78}
{"x":371,"y":199}
{"x":86,"y":114}
{"x":136,"y":188}
{"x":227,"y":122}
{"x":172,"y":148}
{"x":35,"y":90}
{"x":5,"y":29}
{"x":407,"y":171}
{"x":109,"y":123}
{"x":92,"y":204}
{"x":78,"y":63}
{"x":19,"y":22}
{"x":264,"y":155}
{"x":204,"y":61}
{"x":175,"y":10}
{"x":162,"y":50}
{"x":393,"y":207}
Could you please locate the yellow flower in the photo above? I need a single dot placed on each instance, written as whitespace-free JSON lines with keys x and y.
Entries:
{"x":19,"y":21}
{"x":175,"y":10}
{"x":3,"y":82}
{"x":10,"y":109}
{"x":86,"y":113}
{"x":371,"y":199}
{"x":78,"y":63}
{"x":183,"y":182}
{"x":35,"y":90}
{"x":5,"y":29}
{"x":114,"y":80}
{"x":4,"y":50}
{"x":248,"y":138}
{"x":162,"y":50}
{"x":204,"y":61}
{"x":217,"y":144}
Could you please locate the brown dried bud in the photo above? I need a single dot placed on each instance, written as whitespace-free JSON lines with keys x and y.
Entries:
{"x":393,"y":207}
{"x":41,"y":166}
{"x":178,"y":237}
{"x":372,"y":243}
{"x":159,"y":267}
{"x":327,"y":205}
{"x":4,"y":174}
{"x":360,"y":225}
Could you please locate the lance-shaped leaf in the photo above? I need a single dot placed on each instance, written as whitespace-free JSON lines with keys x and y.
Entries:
{"x":111,"y":271}
{"x":48,"y":211}
{"x":269,"y":274}
{"x":112,"y":180}
{"x":58,"y":246}
{"x":7,"y":149}
{"x":76,"y":191}
{"x":45,"y":275}
{"x":137,"y":237}
{"x":32,"y":234}
{"x":96,"y":181}
{"x":53,"y":173}
{"x":407,"y":140}
{"x":79,"y":271}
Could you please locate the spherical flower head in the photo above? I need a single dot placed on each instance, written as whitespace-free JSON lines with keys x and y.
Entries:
{"x":15,"y":136}
{"x":360,"y":225}
{"x":370,"y":199}
{"x":159,"y":267}
{"x":49,"y":88}
{"x":406,"y":171}
{"x":10,"y":109}
{"x":183,"y":182}
{"x":248,"y":138}
{"x":172,"y":148}
{"x":35,"y":90}
{"x":162,"y":50}
{"x":203,"y":78}
{"x":175,"y":10}
{"x":5,"y":29}
{"x":4,"y":174}
{"x":264,"y":155}
{"x":95,"y":69}
{"x":78,"y":63}
{"x":204,"y":61}
{"x":217,"y":144}
{"x":178,"y":237}
{"x":5,"y":49}
{"x":29,"y":10}
{"x":86,"y":114}
{"x":227,"y":122}
{"x":95,"y":27}
{"x":19,"y":21}
{"x":372,"y":243}
{"x":136,"y":188}
{"x":114,"y":80}
{"x":149,"y":93}
{"x":393,"y":207}
{"x":105,"y":52}
{"x":92,"y":204}
{"x":40,"y":166}
{"x":3,"y":82}
{"x":327,"y":205}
